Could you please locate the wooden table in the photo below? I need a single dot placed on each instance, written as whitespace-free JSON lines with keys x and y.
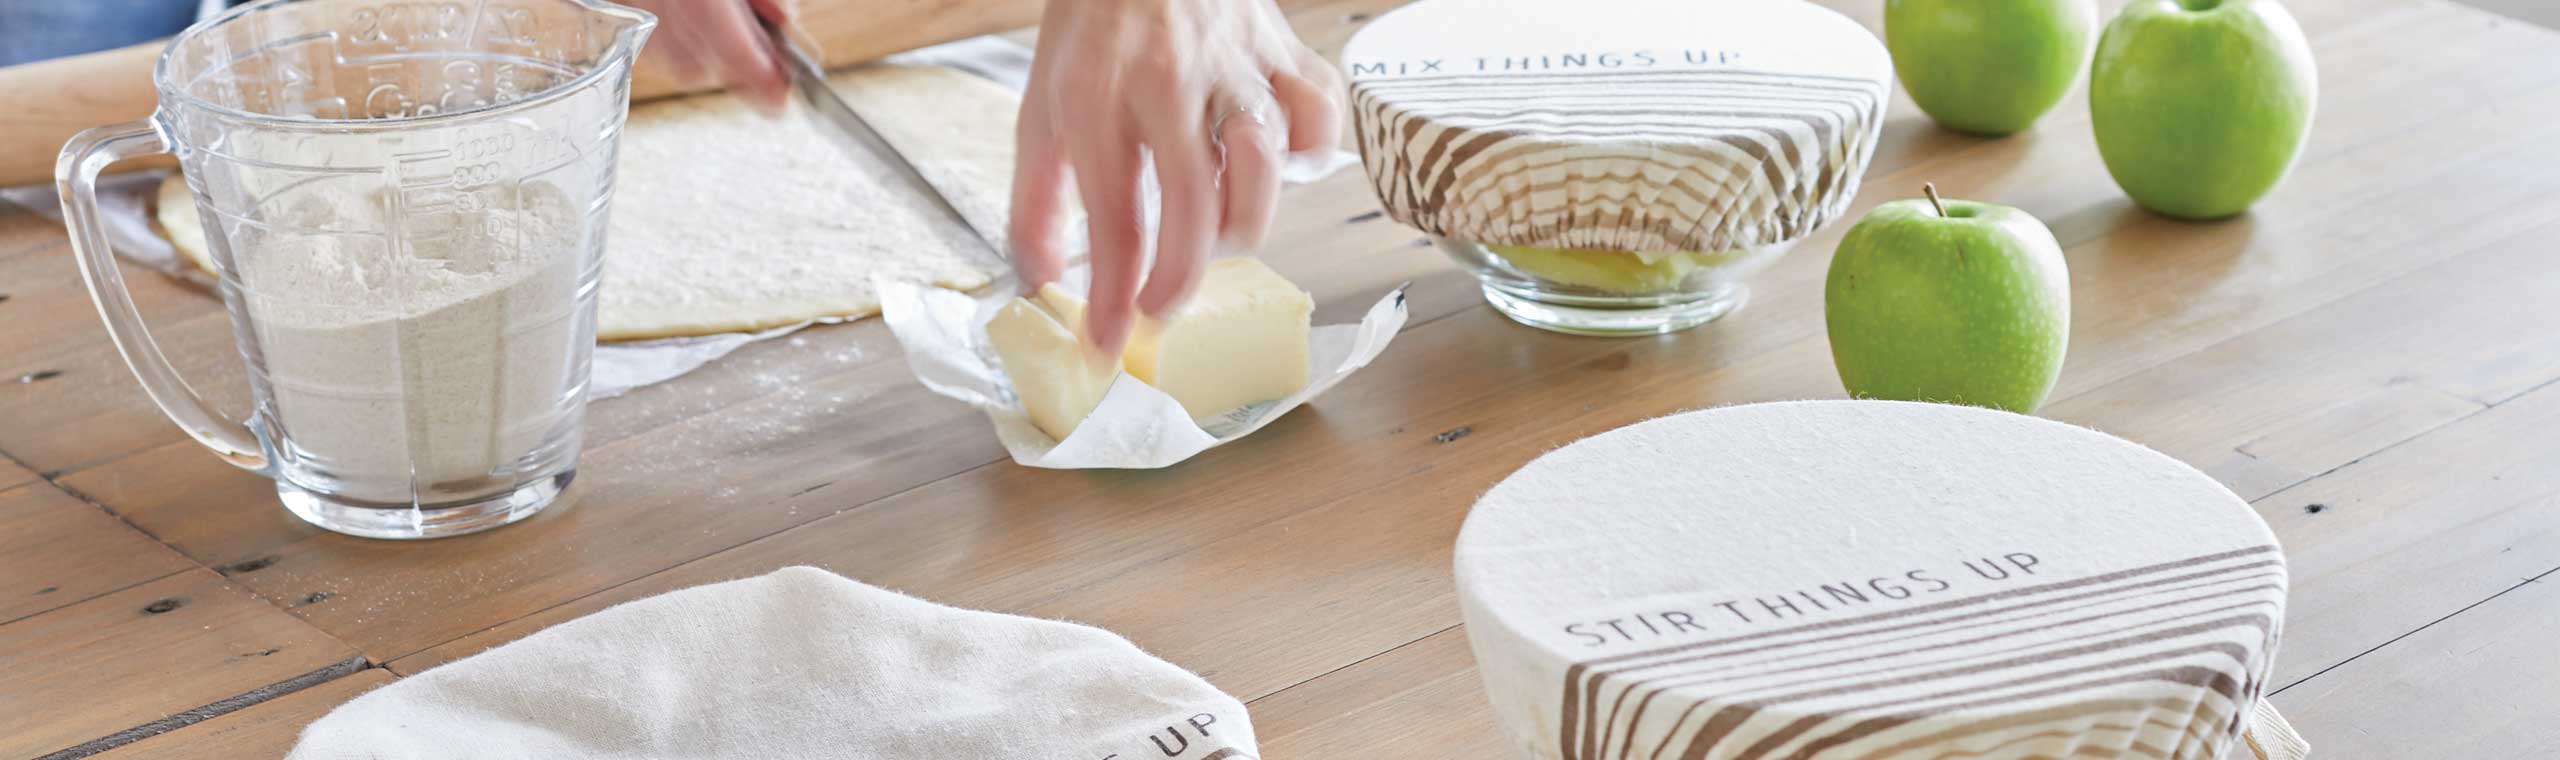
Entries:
{"x":2369,"y":357}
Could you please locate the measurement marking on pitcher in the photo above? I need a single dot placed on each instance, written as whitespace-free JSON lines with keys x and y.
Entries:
{"x":425,"y":182}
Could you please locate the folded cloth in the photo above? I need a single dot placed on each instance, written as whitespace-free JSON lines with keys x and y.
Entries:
{"x":801,"y":663}
{"x":2271,"y":738}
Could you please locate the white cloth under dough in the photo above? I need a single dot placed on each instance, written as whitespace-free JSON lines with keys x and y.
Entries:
{"x":801,"y":663}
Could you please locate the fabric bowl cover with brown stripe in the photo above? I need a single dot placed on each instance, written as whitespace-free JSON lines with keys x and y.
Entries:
{"x":1617,"y":125}
{"x":1863,"y":579}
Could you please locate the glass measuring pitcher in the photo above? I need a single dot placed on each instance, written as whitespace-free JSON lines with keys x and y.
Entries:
{"x":405,"y":204}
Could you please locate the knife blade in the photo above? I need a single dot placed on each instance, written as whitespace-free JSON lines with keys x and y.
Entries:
{"x":837,"y":118}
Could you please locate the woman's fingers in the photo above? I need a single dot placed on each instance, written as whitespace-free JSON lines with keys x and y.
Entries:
{"x":1116,"y":76}
{"x":718,"y":42}
{"x":1187,"y":175}
{"x":682,"y":56}
{"x":741,"y":54}
{"x":1106,"y":175}
{"x":1309,"y":95}
{"x":780,"y":12}
{"x":1039,"y":200}
{"x":1250,"y":181}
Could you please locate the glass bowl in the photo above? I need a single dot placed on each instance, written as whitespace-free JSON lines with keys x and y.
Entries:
{"x":1611,"y":293}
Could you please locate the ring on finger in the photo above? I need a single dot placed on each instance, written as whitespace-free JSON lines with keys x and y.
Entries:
{"x":1257,"y":107}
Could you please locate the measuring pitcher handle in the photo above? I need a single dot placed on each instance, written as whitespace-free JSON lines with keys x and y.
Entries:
{"x":75,"y":177}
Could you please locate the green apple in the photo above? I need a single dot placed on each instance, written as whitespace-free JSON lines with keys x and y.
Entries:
{"x":1950,"y":301}
{"x":2201,"y":106}
{"x":1611,"y":271}
{"x":1989,"y":67}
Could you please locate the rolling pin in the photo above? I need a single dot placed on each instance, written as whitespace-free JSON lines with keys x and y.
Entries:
{"x":43,"y":104}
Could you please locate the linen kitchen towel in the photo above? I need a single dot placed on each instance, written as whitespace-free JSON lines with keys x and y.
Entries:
{"x":801,"y":663}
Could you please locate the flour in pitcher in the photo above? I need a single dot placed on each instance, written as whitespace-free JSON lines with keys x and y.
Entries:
{"x":435,"y":364}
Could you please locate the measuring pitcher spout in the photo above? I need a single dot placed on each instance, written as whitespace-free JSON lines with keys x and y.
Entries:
{"x":631,"y":28}
{"x":404,"y":204}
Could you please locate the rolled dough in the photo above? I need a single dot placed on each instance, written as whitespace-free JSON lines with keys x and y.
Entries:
{"x":724,"y":221}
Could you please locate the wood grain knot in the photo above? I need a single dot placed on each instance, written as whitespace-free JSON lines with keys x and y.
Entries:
{"x":42,"y":374}
{"x":1454,"y":433}
{"x":2314,"y":509}
{"x":163,"y":605}
{"x":249,"y":566}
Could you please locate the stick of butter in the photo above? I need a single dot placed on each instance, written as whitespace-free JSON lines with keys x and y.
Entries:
{"x":1241,"y":340}
{"x":1040,"y":343}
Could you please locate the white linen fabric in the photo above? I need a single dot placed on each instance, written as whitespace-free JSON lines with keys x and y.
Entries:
{"x":801,"y":663}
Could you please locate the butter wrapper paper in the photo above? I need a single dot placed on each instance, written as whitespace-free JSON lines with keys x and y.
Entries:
{"x":944,"y":333}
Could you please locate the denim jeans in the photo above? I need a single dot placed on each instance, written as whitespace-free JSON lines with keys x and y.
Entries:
{"x":34,"y":30}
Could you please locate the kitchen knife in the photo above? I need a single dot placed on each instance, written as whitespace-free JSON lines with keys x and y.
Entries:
{"x":837,"y":118}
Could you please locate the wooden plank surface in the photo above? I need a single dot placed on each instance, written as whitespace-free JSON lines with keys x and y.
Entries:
{"x":263,"y":730}
{"x":57,"y":551}
{"x":148,"y":658}
{"x":2474,"y":686}
{"x":13,"y":474}
{"x":2368,"y":355}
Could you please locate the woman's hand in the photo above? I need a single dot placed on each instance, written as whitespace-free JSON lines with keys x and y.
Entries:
{"x":1214,"y":90}
{"x":708,"y":42}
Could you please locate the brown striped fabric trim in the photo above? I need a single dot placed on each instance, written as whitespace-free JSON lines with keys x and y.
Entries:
{"x":1831,"y":130}
{"x":1757,"y":152}
{"x":2213,"y":679}
{"x":1781,"y":175}
{"x":1581,"y":694}
{"x":1986,"y":621}
{"x":2009,"y":633}
{"x":1406,"y":130}
{"x":2030,"y":654}
{"x":1713,"y":114}
{"x":1729,"y":717}
{"x":1590,"y":690}
{"x":1733,"y":715}
{"x":2079,"y":749}
{"x":2055,"y":714}
{"x":1439,"y":194}
{"x":1515,"y":203}
{"x":1862,"y":103}
{"x":1418,"y":191}
{"x":1694,"y":678}
{"x":1519,"y":157}
{"x":2076,"y":750}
